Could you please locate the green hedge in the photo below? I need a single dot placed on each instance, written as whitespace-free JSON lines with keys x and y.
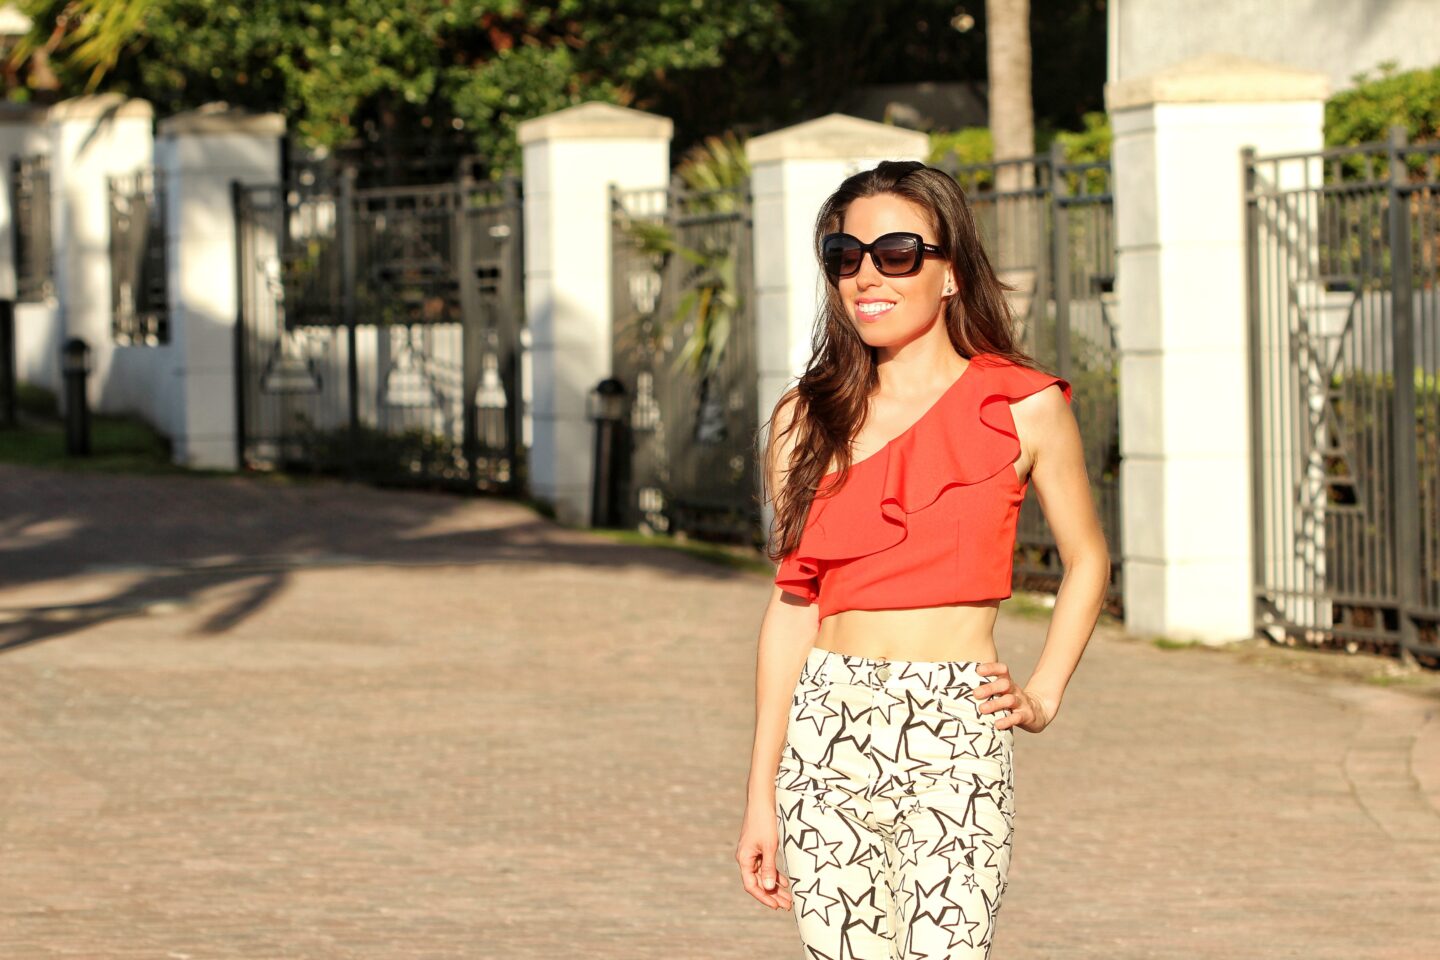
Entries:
{"x":1366,"y":112}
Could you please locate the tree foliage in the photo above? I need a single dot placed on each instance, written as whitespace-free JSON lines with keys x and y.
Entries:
{"x":392,"y":75}
{"x":346,"y":68}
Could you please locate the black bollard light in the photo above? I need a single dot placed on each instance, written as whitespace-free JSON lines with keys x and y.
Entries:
{"x":8,"y":417}
{"x":75,"y":365}
{"x":607,"y":409}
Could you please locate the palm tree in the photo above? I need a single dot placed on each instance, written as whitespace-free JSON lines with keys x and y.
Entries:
{"x":1012,"y":115}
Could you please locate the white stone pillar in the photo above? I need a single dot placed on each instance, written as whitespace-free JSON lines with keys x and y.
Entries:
{"x":200,"y":155}
{"x":91,"y":139}
{"x":24,"y":132}
{"x":792,"y":171}
{"x":1181,"y":268}
{"x":570,"y":159}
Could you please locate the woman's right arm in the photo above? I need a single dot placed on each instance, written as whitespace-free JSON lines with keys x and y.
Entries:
{"x":787,"y":634}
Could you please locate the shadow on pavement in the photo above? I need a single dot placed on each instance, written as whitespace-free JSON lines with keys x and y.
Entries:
{"x":172,"y":537}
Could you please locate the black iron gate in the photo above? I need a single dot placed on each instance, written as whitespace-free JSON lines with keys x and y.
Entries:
{"x":379,"y":330}
{"x":684,"y":347}
{"x":1344,"y":289}
{"x":1049,"y":227}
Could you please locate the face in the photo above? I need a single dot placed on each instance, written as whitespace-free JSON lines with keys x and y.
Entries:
{"x":886,"y":310}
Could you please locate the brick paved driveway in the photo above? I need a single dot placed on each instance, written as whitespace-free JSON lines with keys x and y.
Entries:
{"x":245,"y":720}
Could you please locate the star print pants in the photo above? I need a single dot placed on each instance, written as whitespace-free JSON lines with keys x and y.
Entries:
{"x":895,"y":805}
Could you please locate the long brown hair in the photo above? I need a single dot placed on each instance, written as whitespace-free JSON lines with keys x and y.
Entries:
{"x":833,"y":393}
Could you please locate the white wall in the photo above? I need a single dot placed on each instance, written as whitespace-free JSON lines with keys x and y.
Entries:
{"x":1338,"y":38}
{"x":92,"y":138}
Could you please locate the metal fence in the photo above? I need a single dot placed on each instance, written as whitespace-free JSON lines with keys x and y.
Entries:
{"x":1049,"y":227}
{"x":684,"y":347}
{"x":30,"y":228}
{"x":379,"y":330}
{"x":1344,"y":258}
{"x":141,"y":313}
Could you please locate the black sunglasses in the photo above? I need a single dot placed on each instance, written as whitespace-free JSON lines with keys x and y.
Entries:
{"x":894,"y":254}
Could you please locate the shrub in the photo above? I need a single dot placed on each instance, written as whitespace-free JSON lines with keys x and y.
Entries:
{"x":1365,"y":113}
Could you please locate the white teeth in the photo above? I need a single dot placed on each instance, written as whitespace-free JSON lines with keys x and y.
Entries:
{"x":873,"y":308}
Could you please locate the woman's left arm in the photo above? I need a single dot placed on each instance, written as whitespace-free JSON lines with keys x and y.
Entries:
{"x":1051,"y":446}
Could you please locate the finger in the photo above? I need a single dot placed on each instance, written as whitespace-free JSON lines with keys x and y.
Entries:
{"x":767,"y":869}
{"x":751,"y":880}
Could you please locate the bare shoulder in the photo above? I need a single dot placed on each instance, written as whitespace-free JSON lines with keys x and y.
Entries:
{"x":1043,"y":420}
{"x":1047,"y":405}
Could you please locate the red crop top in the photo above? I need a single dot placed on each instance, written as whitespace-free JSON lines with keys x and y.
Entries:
{"x":929,"y":519}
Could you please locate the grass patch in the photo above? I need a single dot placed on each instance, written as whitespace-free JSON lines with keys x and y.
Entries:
{"x":1030,"y":606}
{"x":118,"y":444}
{"x":1167,"y":643}
{"x":732,"y":556}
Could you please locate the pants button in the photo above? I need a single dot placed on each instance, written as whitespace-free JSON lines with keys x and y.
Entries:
{"x":883,"y":673}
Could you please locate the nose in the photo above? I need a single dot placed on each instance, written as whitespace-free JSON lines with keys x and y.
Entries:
{"x":868,"y":275}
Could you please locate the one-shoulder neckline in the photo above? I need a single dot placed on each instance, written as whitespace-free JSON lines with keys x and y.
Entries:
{"x":944,"y":395}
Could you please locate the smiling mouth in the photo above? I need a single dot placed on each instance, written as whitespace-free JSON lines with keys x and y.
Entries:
{"x":874,"y":308}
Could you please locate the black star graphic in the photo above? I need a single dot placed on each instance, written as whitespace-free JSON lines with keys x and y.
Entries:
{"x":956,"y":854}
{"x":964,"y":742}
{"x":885,"y":702}
{"x":851,"y":731}
{"x":933,"y":903}
{"x":813,"y":895}
{"x":822,"y":850}
{"x":963,"y":932}
{"x":862,"y":910}
{"x":817,"y":711}
{"x":994,"y":850}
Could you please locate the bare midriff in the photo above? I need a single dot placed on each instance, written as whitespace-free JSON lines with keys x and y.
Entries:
{"x":956,"y":631}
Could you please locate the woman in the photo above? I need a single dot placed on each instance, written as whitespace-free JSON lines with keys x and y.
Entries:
{"x":881,"y":769}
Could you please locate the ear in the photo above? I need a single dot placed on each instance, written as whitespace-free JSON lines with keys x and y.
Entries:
{"x":951,"y":287}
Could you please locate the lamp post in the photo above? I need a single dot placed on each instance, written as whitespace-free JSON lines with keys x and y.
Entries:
{"x":606,"y":406}
{"x":75,"y":366}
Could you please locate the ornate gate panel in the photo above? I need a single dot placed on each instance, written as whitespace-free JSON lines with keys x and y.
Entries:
{"x":685,"y":350}
{"x":379,"y":330}
{"x":1344,"y":257}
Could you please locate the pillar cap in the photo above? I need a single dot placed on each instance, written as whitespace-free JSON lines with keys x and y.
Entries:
{"x":112,"y":106}
{"x":1217,"y":78}
{"x":837,"y":136}
{"x":222,"y":118}
{"x":596,"y":121}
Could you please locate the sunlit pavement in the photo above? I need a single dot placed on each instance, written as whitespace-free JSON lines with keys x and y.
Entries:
{"x":249,"y":720}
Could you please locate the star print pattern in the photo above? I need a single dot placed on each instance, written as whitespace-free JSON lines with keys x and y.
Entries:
{"x":895,"y":804}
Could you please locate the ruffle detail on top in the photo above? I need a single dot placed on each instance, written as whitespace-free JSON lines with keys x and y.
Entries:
{"x":966,"y":437}
{"x":799,"y":575}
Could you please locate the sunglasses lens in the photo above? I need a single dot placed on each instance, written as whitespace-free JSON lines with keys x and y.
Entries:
{"x":841,"y":255}
{"x":896,"y":254}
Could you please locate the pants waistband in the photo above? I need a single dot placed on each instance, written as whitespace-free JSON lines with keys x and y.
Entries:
{"x":828,"y":666}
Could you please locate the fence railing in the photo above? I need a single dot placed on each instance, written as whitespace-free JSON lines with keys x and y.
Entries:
{"x":1344,"y":291}
{"x":30,"y":228}
{"x":1049,"y":227}
{"x":137,"y":259}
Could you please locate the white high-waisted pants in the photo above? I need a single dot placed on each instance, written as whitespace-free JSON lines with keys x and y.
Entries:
{"x":895,"y":803}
